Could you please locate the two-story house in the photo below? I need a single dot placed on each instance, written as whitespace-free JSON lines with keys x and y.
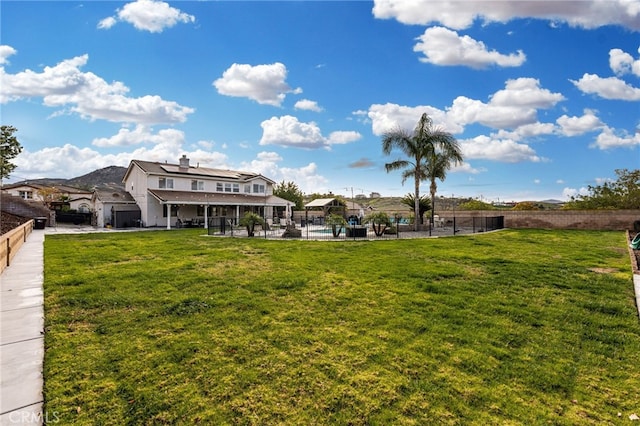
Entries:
{"x":56,"y":196}
{"x":173,"y":194}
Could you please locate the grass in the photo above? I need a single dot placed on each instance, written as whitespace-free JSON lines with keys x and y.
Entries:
{"x":514,"y":327}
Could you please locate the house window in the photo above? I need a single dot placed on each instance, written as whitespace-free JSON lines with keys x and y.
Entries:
{"x":258,"y":189}
{"x":247,"y":189}
{"x":165,"y":183}
{"x":27,"y":195}
{"x":219,"y":187}
{"x":197,"y":185}
{"x":236,"y":187}
{"x":227,"y":187}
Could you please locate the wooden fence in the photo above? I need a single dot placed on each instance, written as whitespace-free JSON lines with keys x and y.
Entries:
{"x":11,"y":243}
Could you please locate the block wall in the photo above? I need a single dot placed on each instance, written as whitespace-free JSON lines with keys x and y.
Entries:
{"x":614,"y":220}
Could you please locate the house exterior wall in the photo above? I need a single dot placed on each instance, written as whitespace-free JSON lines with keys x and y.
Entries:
{"x":81,"y":205}
{"x":99,"y":212}
{"x":136,"y":185}
{"x":19,"y":191}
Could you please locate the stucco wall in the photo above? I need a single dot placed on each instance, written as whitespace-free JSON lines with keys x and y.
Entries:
{"x":614,"y":220}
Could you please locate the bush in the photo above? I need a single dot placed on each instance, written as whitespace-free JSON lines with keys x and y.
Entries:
{"x":250,"y":220}
{"x":379,"y":222}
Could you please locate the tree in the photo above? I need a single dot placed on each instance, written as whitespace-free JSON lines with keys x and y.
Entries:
{"x":291,"y":192}
{"x":49,"y":195}
{"x":623,"y":193}
{"x":9,"y":149}
{"x":424,"y":204}
{"x":432,"y":152}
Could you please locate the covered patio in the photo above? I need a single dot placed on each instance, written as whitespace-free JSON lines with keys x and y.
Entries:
{"x":195,"y":209}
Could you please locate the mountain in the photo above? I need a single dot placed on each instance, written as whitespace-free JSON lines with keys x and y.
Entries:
{"x":106,"y":177}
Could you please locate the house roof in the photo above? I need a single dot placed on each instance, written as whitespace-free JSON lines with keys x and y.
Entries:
{"x":113,"y":196}
{"x":323,"y":202}
{"x":38,"y":186}
{"x":196,"y":172}
{"x":191,"y":197}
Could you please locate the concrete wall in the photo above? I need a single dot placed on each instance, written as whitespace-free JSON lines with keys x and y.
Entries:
{"x":614,"y":220}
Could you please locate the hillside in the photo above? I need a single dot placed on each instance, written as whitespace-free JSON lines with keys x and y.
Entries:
{"x":108,"y":176}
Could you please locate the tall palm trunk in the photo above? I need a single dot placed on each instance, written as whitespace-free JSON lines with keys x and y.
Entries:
{"x":416,"y":205}
{"x":432,"y":190}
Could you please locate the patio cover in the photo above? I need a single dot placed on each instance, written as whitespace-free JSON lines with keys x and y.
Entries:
{"x":323,"y":202}
{"x":220,"y":199}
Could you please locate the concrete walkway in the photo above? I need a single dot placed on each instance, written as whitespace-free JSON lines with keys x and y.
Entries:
{"x":22,"y":335}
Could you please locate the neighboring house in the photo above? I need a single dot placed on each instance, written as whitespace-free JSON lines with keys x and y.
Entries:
{"x":81,"y":204}
{"x":57,"y":196}
{"x":170,"y":194}
{"x":110,"y":205}
{"x":26,"y":191}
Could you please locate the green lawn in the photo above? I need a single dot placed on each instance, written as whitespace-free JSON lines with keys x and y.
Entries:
{"x":513,"y":327}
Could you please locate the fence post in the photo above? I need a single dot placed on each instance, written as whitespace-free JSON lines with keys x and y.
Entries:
{"x":8,"y":252}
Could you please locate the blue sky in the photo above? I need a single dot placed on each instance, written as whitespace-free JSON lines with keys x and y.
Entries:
{"x":543,"y":96}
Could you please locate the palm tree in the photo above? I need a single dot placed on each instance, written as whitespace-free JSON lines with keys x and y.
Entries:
{"x":432,"y":152}
{"x":425,"y":204}
{"x":438,"y":163}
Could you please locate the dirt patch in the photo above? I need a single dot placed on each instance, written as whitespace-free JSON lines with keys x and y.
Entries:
{"x":603,"y":270}
{"x":9,"y":222}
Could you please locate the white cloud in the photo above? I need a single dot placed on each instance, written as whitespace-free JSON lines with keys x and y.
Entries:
{"x":140,"y":135}
{"x":567,"y":193}
{"x":107,"y":23}
{"x":5,"y":52}
{"x":514,"y":106}
{"x":389,"y":117}
{"x":609,"y":139}
{"x":306,"y":177}
{"x":461,"y":14}
{"x":71,"y":161}
{"x":148,"y":15}
{"x":466,"y":167}
{"x":306,"y":104}
{"x":623,"y":63}
{"x":265,"y":84}
{"x":503,"y":150}
{"x":84,"y":93}
{"x":288,"y":131}
{"x":441,"y":46}
{"x":342,"y":137}
{"x":573,"y":126}
{"x":525,"y":92}
{"x":526,"y":131}
{"x":607,"y":88}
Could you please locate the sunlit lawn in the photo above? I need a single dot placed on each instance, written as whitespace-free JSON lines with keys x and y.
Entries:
{"x":516,"y":327}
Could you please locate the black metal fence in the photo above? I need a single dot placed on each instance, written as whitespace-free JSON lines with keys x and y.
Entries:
{"x":317,"y":229}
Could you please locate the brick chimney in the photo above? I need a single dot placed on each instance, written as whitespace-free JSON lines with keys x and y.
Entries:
{"x":184,"y":163}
